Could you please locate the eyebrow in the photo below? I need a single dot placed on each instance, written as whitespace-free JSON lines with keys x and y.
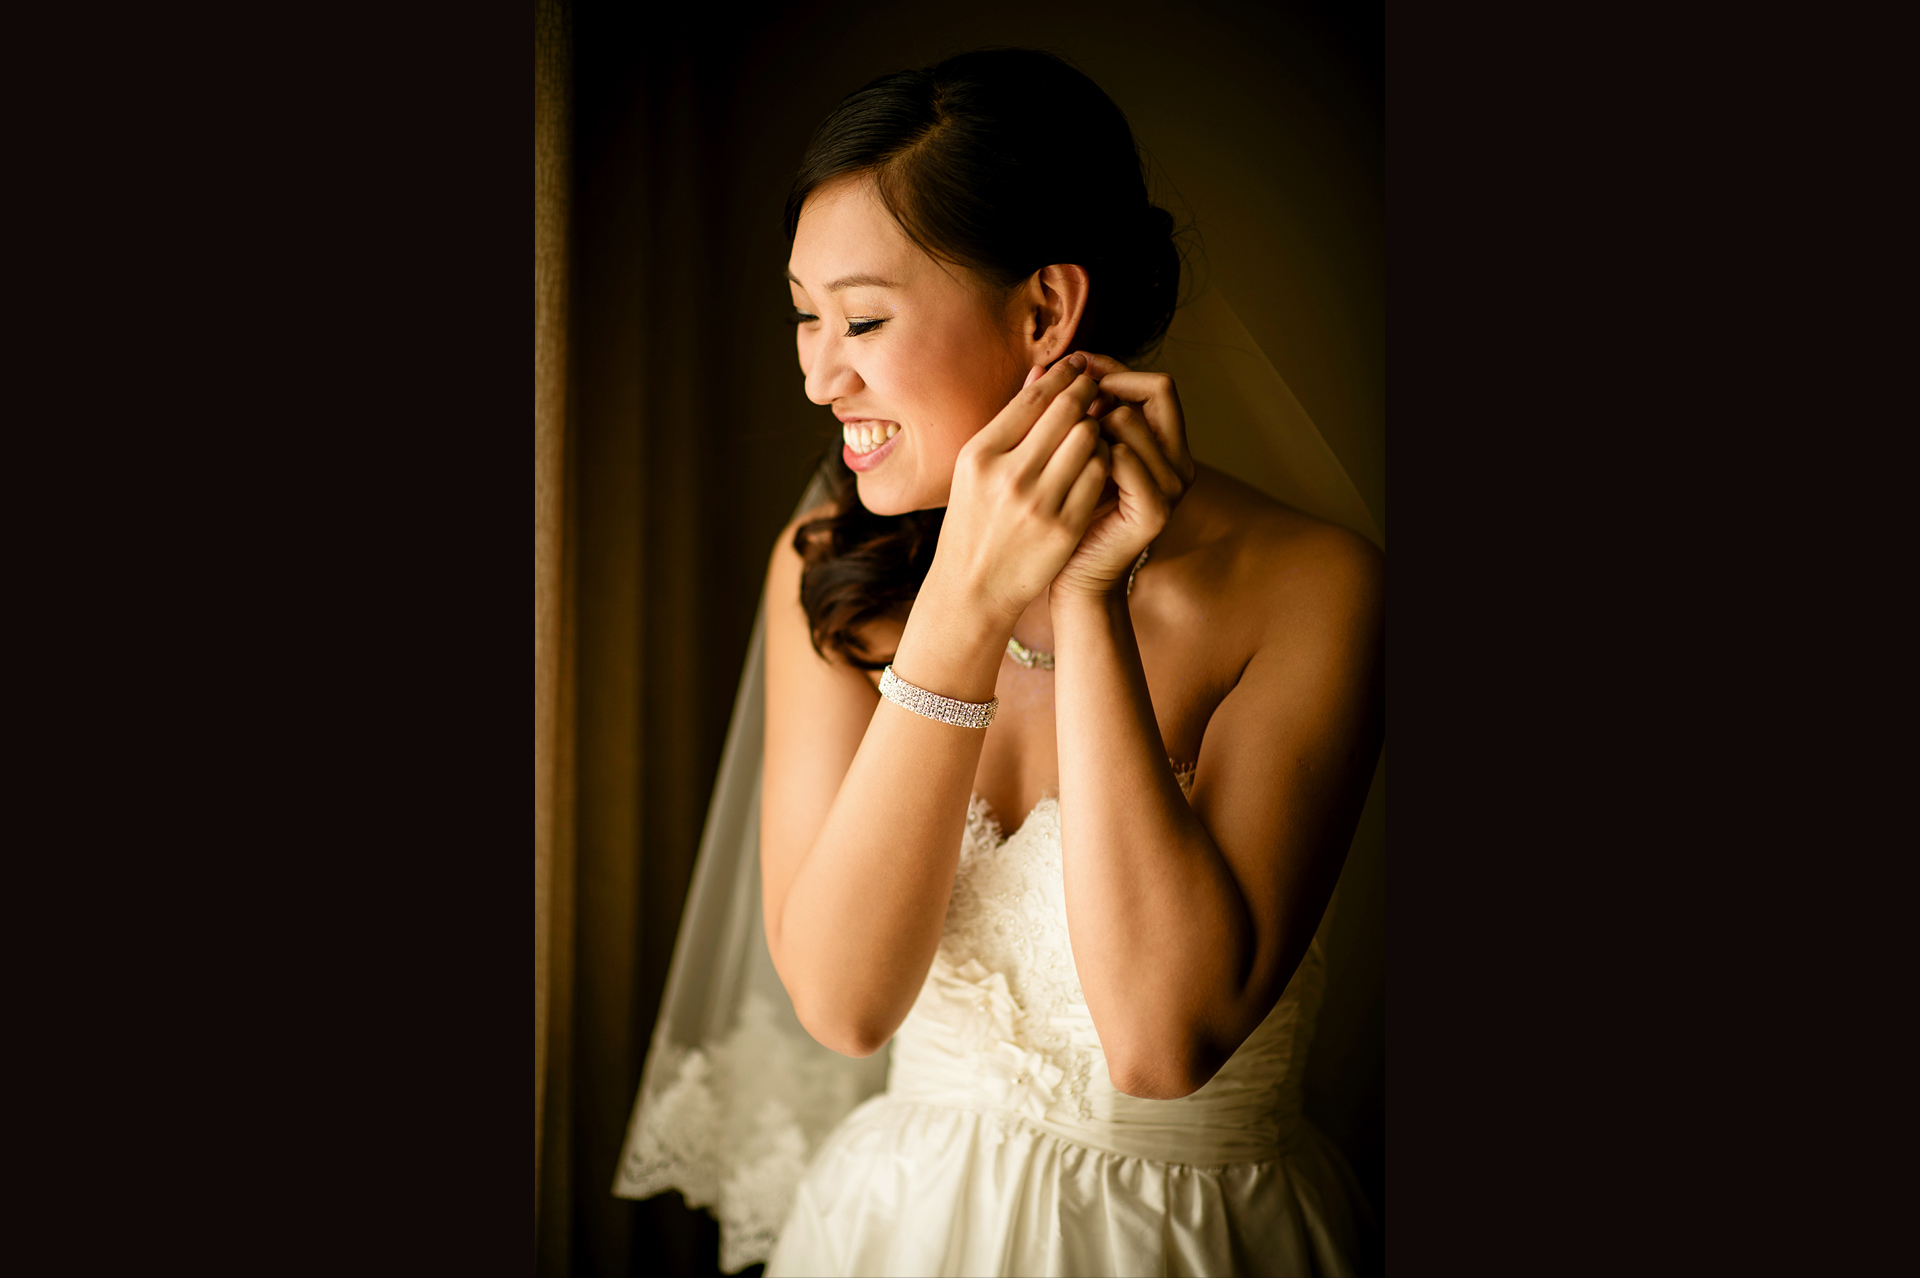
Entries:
{"x":850,"y":281}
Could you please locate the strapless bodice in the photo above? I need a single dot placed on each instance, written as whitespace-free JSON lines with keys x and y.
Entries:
{"x":1001,"y":1026}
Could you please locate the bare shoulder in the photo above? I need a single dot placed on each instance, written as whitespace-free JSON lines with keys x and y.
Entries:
{"x":783,"y":561}
{"x":1259,"y":554}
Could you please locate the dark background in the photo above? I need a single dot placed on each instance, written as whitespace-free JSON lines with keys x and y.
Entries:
{"x":269,"y":262}
{"x":690,"y":440}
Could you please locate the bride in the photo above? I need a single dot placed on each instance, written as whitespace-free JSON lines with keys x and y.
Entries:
{"x":1065,"y":738}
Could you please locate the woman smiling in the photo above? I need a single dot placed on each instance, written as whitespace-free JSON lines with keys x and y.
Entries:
{"x":1065,"y":734}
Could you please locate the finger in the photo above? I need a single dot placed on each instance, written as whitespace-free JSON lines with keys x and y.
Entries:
{"x":1099,"y":366}
{"x":1068,"y":408}
{"x":1159,"y":403}
{"x":1120,"y":385}
{"x":1102,"y":367}
{"x":1140,"y":499}
{"x":1083,"y":498}
{"x":1032,"y":373}
{"x":1081,"y":441}
{"x":1011,"y":424}
{"x":1133,"y":479}
{"x":1125,"y":425}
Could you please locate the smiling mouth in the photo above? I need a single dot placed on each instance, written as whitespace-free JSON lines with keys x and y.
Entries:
{"x":863,"y":437}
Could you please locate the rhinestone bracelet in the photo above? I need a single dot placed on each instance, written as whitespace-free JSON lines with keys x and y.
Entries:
{"x":961,"y":714}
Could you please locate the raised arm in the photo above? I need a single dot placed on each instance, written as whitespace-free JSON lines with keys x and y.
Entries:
{"x":863,"y":802}
{"x":1187,"y":920}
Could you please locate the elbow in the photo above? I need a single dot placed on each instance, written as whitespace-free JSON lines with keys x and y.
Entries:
{"x":1161,"y":1074}
{"x":840,"y":1030}
{"x":835,"y":1021}
{"x":849,"y":1040}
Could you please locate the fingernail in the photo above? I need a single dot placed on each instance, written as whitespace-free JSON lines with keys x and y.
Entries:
{"x":1077,"y":360}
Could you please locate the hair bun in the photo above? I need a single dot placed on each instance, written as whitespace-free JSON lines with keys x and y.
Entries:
{"x":1142,"y":284}
{"x":953,"y":155}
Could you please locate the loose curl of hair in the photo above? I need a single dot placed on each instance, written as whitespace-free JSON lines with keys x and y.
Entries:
{"x":1002,"y":161}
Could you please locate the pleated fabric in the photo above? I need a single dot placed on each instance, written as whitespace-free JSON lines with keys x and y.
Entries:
{"x":910,"y":1188}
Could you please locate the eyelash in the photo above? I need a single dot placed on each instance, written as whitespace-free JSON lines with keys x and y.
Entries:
{"x":855,"y":328}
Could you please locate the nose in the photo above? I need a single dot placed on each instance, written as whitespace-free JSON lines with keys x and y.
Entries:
{"x":829,"y":374}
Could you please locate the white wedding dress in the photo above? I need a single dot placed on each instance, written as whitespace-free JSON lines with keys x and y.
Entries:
{"x":1000,"y":1145}
{"x":988,"y":1137}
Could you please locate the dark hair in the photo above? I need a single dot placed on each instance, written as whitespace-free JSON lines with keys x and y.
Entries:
{"x":1002,"y":161}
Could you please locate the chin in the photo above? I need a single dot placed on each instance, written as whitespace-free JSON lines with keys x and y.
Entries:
{"x":893,"y":480}
{"x":883,"y":498}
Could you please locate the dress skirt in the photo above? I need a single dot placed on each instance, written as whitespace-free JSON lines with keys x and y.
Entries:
{"x":907,"y":1188}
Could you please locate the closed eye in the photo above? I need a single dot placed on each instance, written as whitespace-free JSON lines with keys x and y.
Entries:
{"x":856,"y":327}
{"x":801,"y":317}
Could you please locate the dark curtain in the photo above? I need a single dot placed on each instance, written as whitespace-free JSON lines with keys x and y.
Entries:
{"x":689,"y":440}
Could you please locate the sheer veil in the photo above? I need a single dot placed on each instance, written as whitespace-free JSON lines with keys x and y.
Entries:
{"x":736,"y":1096}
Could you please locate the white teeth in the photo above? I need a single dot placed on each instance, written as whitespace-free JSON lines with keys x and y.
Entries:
{"x":865,"y":438}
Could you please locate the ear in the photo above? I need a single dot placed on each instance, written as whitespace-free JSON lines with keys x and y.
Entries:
{"x":1050,"y":307}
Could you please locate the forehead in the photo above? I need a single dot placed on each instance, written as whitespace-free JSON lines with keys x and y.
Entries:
{"x":845,"y":230}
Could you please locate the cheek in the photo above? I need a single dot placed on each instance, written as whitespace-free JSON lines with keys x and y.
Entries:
{"x":910,"y":387}
{"x":956,"y":385}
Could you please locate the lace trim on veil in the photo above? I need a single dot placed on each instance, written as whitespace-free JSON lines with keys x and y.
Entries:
{"x":733,"y":1126}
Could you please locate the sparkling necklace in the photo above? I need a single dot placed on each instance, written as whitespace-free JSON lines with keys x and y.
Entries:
{"x":1033,"y":658}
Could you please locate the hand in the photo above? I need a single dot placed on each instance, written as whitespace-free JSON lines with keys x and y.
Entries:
{"x":1024,"y":489}
{"x":1139,"y":413}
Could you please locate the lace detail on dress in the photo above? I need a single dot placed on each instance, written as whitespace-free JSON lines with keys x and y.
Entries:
{"x":982,"y":832}
{"x":733,"y":1130}
{"x":1005,"y":963}
{"x":1009,"y":964}
{"x":1183,"y":774}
